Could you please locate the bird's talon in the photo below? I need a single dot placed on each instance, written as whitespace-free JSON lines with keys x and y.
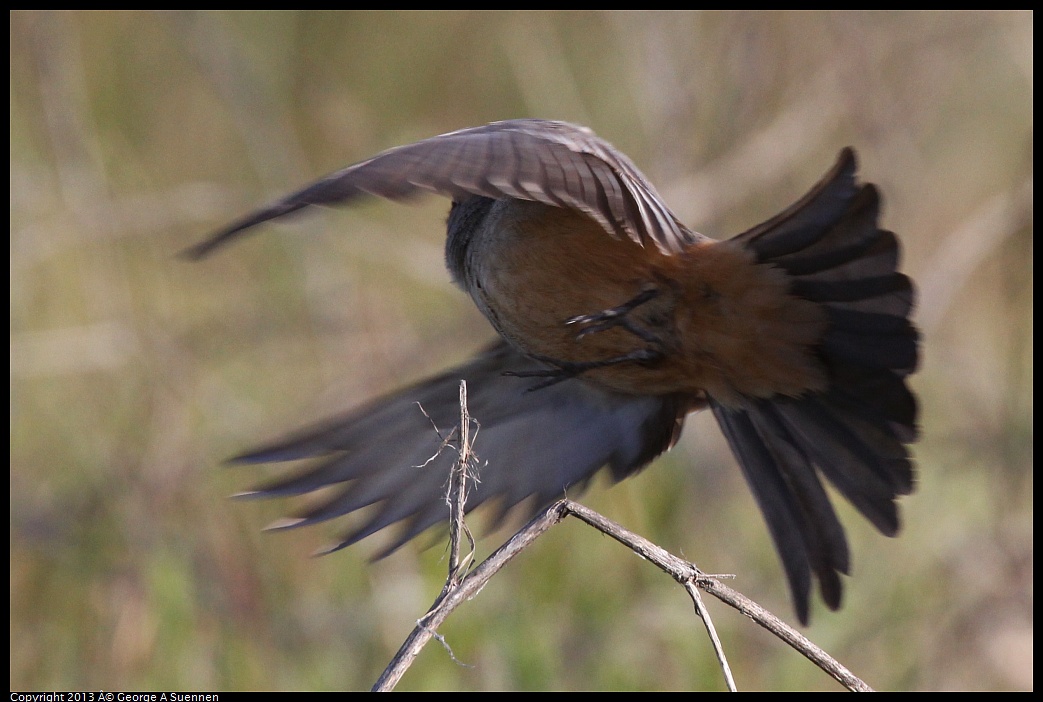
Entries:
{"x":616,"y":317}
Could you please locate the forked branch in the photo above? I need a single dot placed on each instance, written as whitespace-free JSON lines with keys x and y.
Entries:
{"x":459,"y":588}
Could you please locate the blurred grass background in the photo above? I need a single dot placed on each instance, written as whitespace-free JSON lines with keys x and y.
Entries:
{"x":133,"y":374}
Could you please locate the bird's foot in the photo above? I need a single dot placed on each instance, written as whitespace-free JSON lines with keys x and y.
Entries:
{"x":564,"y":370}
{"x":617,"y":317}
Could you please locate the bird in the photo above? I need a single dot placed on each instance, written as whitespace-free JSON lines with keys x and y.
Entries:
{"x":615,"y":322}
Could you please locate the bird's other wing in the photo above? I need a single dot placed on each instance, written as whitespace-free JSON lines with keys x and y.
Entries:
{"x":532,"y":446}
{"x":554,"y":163}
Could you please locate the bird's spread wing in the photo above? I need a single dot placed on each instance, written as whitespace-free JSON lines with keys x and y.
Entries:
{"x":532,"y":446}
{"x":555,"y":163}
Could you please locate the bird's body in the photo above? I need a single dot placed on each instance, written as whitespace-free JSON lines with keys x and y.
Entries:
{"x":720,"y":323}
{"x":617,"y":321}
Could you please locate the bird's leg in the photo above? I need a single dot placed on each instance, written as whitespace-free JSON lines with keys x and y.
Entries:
{"x":617,"y":317}
{"x":564,"y":370}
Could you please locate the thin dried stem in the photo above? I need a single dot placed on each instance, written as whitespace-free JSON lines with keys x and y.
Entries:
{"x":468,"y":587}
{"x":459,"y":588}
{"x":457,"y":497}
{"x":711,"y":630}
{"x":685,"y":572}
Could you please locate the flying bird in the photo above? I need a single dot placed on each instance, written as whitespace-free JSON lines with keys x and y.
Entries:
{"x":615,"y":322}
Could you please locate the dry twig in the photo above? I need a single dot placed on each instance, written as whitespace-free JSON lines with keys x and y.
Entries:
{"x":460,"y":589}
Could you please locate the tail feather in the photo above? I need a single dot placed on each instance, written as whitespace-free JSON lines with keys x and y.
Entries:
{"x":852,"y":466}
{"x":809,"y":219}
{"x":879,"y":397}
{"x":873,"y":349}
{"x":856,"y":322}
{"x":855,"y":432}
{"x":853,"y":238}
{"x":807,"y":534}
{"x":852,"y":290}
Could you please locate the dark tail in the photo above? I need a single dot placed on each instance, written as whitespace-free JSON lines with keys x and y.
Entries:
{"x":855,"y":433}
